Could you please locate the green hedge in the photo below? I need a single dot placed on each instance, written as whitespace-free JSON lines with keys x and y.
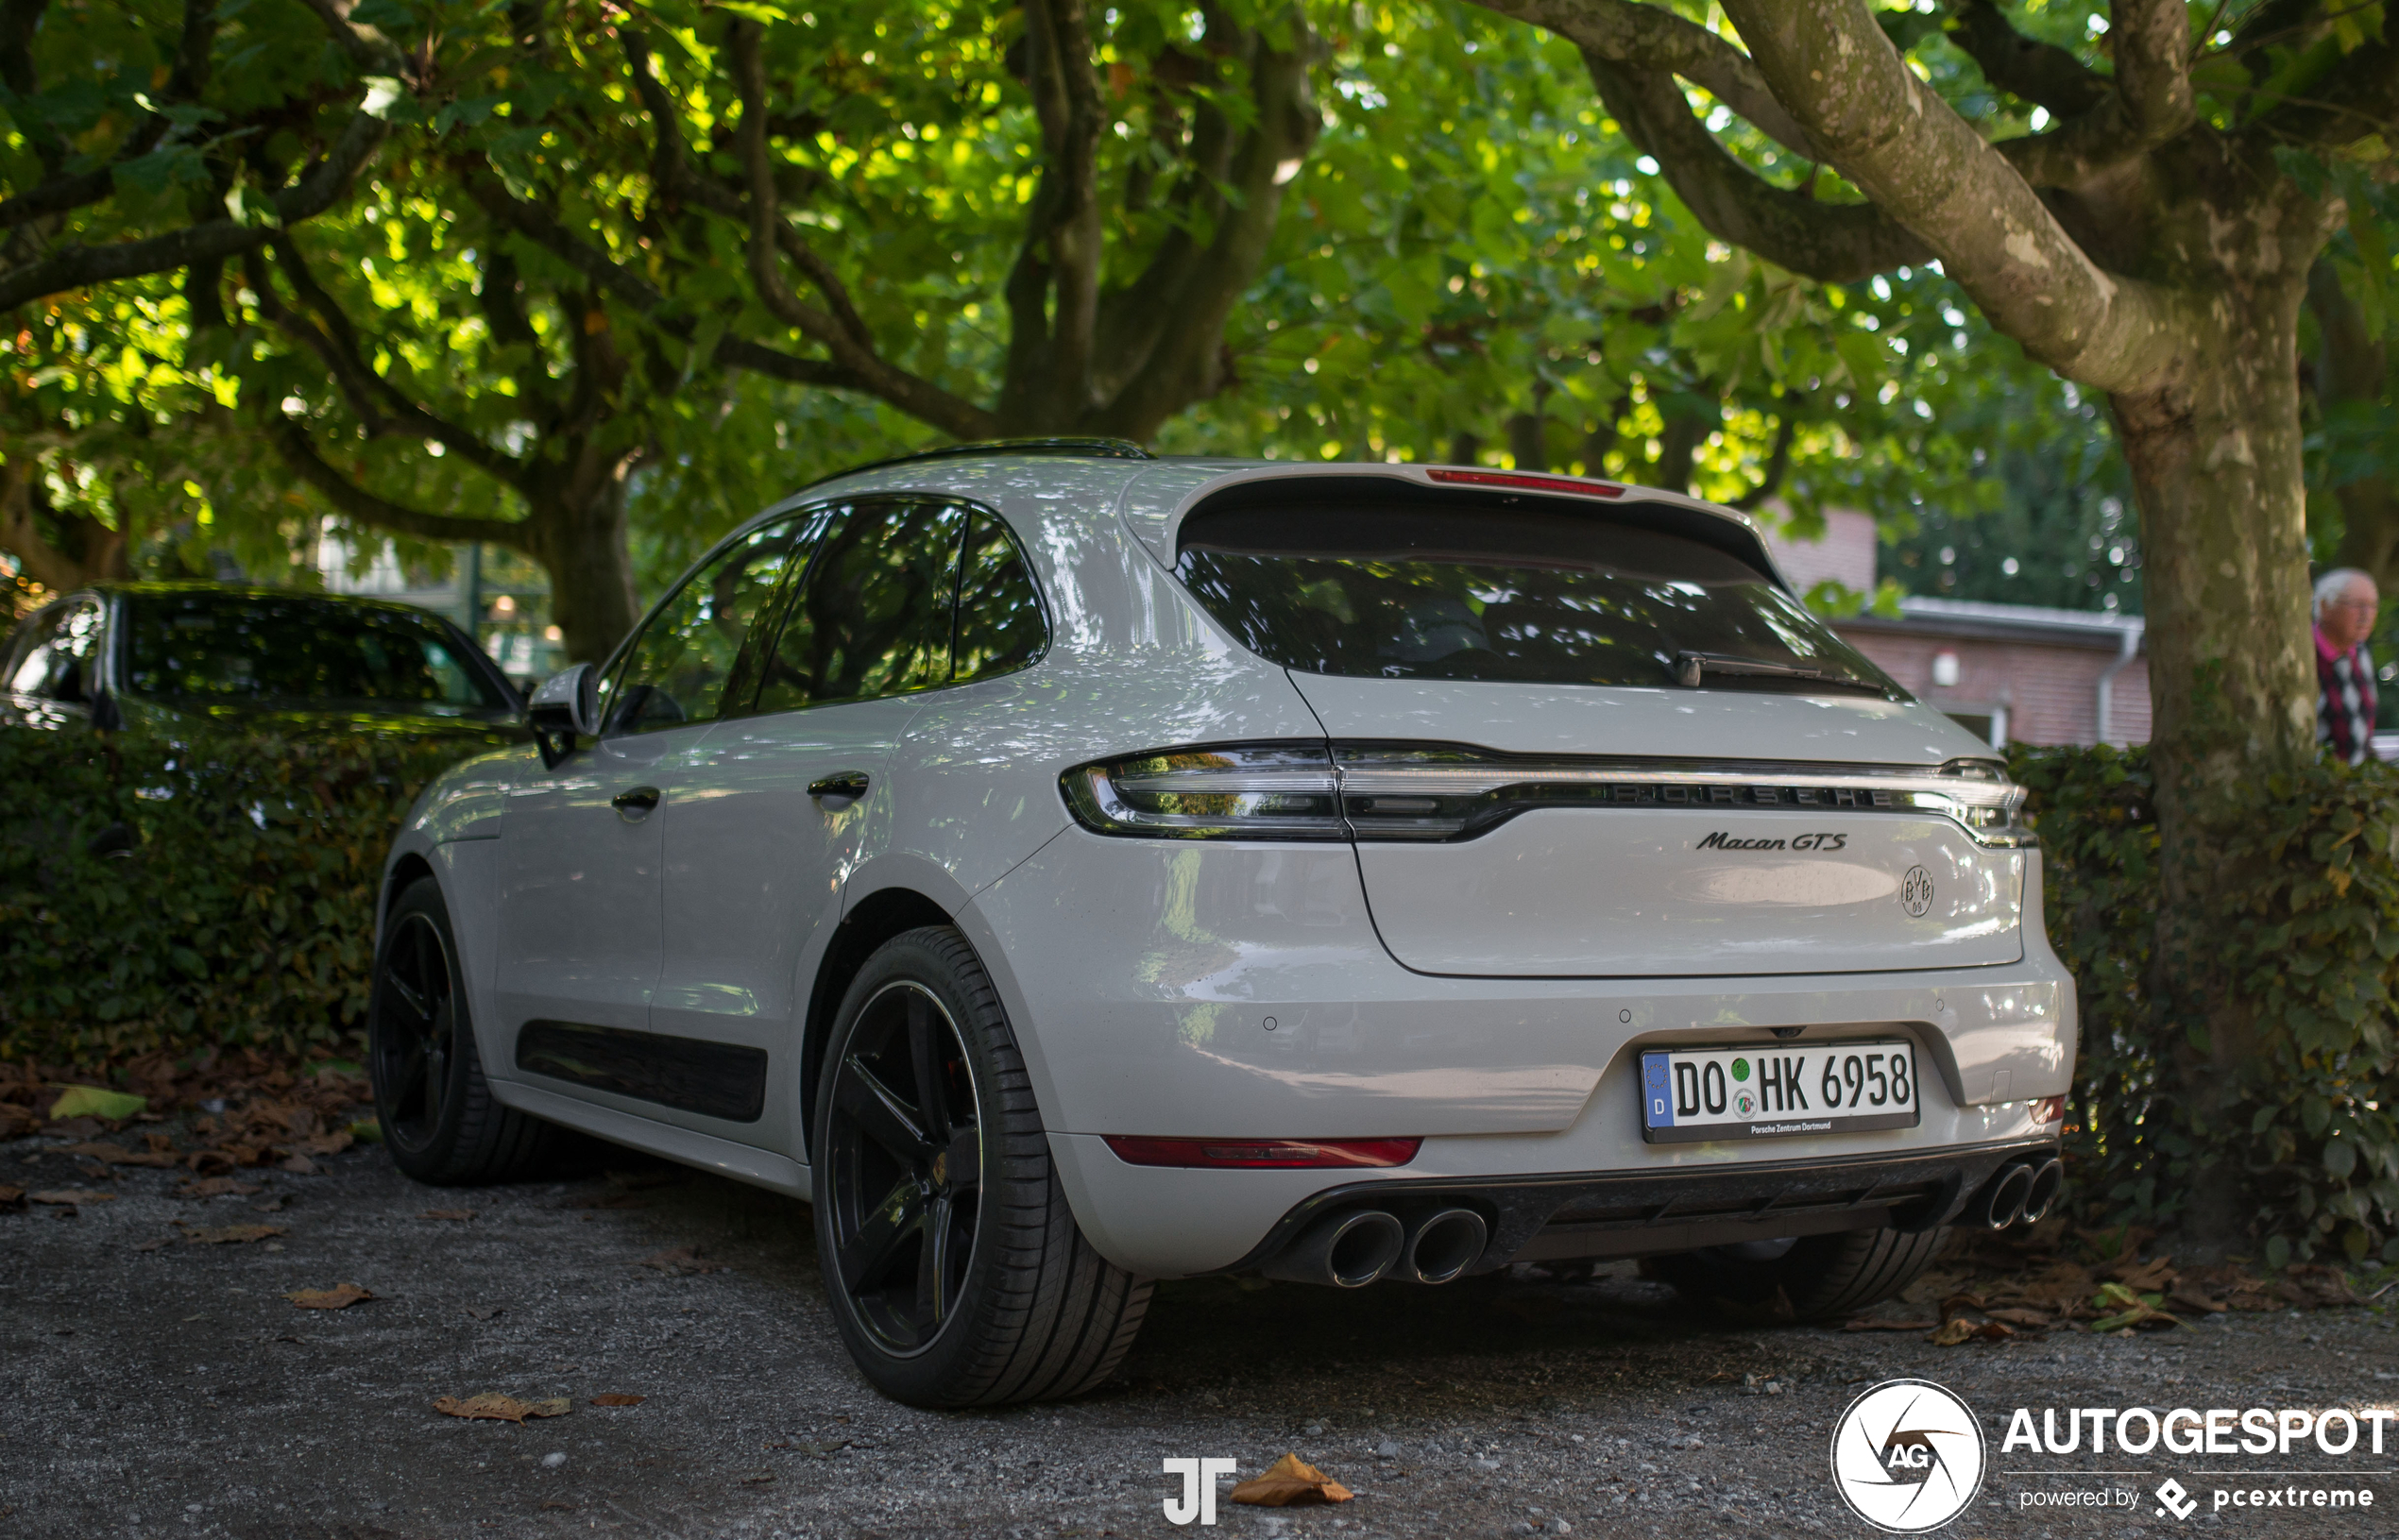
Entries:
{"x":238,"y":908}
{"x":2306,"y":939}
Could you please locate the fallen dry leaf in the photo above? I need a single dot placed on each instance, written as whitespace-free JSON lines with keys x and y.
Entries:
{"x":229,"y":1235}
{"x":118,"y":1154}
{"x":448,"y":1214}
{"x":299,"y":1165}
{"x":618,"y":1399}
{"x":2145,"y":1277}
{"x":1960,"y":1330}
{"x":216,"y":1187}
{"x":12,"y":1197}
{"x":2018,"y":1317}
{"x":490,"y":1408}
{"x":679,"y":1260}
{"x":340,"y":1297}
{"x":69,"y":1196}
{"x":1864,"y":1324}
{"x":1291,"y":1479}
{"x":482,"y":1312}
{"x":95,"y":1102}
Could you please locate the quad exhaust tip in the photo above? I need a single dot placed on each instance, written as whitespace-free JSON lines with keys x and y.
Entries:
{"x":2002,"y":1202}
{"x":2021,"y":1193}
{"x":1441,"y":1245}
{"x":1352,"y":1249}
{"x":2047,"y":1180}
{"x":1347,"y":1250}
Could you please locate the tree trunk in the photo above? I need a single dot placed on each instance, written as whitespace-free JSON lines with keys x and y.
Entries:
{"x":1527,"y":434}
{"x":76,"y":551}
{"x":2352,"y":375}
{"x":2215,"y":456}
{"x":581,"y":545}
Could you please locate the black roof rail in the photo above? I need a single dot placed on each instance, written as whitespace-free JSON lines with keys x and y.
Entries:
{"x":1097,"y":448}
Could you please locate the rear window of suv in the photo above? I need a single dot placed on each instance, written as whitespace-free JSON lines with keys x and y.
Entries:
{"x":1512,"y":594}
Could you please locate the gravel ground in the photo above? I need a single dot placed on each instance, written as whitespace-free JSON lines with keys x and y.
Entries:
{"x":174,"y":1391}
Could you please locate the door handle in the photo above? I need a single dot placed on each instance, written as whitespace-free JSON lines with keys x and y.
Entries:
{"x":850,"y":784}
{"x":635,"y":805}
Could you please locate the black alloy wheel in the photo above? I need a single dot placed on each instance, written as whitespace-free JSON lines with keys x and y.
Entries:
{"x":905,"y":1167}
{"x":441,"y":1123}
{"x":415,"y":1024}
{"x":956,"y":1273}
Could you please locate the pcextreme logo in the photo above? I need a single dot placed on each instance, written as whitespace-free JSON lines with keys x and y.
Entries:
{"x":1907,"y":1456}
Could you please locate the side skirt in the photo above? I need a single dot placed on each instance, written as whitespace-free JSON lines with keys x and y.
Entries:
{"x":703,"y":1152}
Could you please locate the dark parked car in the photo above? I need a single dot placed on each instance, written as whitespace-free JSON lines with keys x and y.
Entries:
{"x":151,"y":654}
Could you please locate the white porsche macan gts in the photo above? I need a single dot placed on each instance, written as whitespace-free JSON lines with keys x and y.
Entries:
{"x":1068,"y":868}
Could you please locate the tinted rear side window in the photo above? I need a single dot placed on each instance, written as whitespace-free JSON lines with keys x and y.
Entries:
{"x":298,"y":652}
{"x":999,"y":621}
{"x":1514,"y":595}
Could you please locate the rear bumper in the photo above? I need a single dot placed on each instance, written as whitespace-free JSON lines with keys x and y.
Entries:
{"x":1232,"y":991}
{"x":1229,"y":990}
{"x":1618,"y":1213}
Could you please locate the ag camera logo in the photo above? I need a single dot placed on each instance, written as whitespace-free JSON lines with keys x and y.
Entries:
{"x":1907,"y":1456}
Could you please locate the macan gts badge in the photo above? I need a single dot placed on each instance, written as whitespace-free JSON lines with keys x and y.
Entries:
{"x":1067,"y":869}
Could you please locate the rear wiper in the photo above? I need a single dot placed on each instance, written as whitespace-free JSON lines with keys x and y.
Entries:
{"x":1689,"y":668}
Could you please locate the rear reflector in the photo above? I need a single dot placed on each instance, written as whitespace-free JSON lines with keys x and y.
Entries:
{"x":2049,"y":1109}
{"x":1263,"y":1153}
{"x":1571,"y":485}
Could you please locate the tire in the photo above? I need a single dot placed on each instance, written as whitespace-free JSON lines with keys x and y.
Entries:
{"x":1819,"y":1277}
{"x":440,"y":1120}
{"x":982,"y":1290}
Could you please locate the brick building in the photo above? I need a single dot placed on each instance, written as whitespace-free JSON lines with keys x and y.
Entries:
{"x":2014,"y":673}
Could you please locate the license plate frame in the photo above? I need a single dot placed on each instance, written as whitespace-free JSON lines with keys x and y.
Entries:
{"x":1675,"y":1106}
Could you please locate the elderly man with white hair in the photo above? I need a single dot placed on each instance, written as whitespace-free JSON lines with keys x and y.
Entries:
{"x":2346,"y":604}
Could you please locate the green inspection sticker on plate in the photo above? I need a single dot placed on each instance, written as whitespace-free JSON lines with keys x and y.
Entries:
{"x":1689,"y":1094}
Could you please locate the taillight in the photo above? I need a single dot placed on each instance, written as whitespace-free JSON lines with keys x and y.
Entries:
{"x":2049,"y":1109}
{"x":1254,"y":791}
{"x":1435,"y":791}
{"x":1263,"y":1153}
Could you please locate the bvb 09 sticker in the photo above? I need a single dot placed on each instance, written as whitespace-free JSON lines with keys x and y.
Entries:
{"x":1907,"y":1456}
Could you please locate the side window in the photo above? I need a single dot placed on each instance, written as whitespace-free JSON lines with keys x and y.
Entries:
{"x":61,"y":656}
{"x":676,"y":671}
{"x":1000,"y":627}
{"x":873,"y":613}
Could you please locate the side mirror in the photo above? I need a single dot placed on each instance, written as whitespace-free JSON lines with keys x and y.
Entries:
{"x":565,"y":707}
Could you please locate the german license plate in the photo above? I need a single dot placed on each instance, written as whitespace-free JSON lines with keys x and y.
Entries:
{"x":1775,"y":1093}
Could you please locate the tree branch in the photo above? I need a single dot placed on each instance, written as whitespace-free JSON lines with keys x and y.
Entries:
{"x":379,"y":405}
{"x":2358,"y":97}
{"x":1834,"y":243}
{"x":2153,"y":66}
{"x":1778,"y":460}
{"x":367,"y":47}
{"x":1925,"y":166}
{"x":769,"y":236}
{"x":1653,"y":38}
{"x":79,"y":266}
{"x":1066,"y":93}
{"x":1160,"y":339}
{"x":740,"y":353}
{"x":291,"y":442}
{"x":2040,"y":73}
